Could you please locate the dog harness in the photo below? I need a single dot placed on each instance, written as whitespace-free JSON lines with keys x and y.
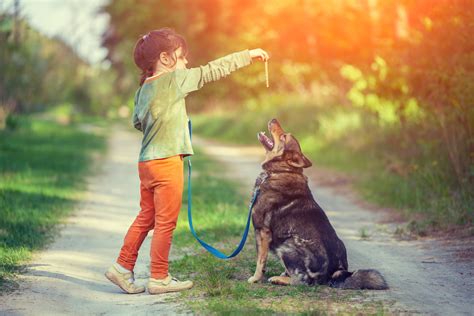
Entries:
{"x":208,"y":247}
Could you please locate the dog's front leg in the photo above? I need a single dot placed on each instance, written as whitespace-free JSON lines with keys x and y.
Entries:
{"x":263,"y":237}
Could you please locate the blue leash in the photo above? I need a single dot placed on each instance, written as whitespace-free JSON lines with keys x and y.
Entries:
{"x":208,"y":247}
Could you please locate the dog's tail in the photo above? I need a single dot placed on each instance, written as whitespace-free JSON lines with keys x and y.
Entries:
{"x":360,"y":279}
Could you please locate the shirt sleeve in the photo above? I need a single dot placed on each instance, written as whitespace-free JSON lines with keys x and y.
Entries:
{"x":193,"y":79}
{"x":135,"y":121}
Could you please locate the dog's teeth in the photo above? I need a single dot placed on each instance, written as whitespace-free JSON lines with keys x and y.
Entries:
{"x":265,"y":140}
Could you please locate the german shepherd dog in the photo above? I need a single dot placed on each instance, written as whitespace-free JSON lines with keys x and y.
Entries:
{"x":288,"y":221}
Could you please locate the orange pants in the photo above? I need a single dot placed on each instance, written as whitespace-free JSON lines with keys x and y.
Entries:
{"x":161,"y":190}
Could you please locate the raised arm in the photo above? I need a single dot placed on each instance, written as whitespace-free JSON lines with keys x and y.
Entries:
{"x":193,"y":79}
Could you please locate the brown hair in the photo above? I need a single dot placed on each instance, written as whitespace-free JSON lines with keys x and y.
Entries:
{"x":149,"y":47}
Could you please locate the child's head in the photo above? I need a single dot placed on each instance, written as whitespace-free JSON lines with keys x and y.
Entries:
{"x":160,"y":48}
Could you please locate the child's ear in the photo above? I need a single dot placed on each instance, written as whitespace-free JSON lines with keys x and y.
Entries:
{"x":165,"y":58}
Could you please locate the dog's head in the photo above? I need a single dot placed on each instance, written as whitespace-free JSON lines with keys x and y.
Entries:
{"x":283,"y":152}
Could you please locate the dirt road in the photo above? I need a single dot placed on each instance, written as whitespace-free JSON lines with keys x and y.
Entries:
{"x":68,"y":278}
{"x":424,"y":276}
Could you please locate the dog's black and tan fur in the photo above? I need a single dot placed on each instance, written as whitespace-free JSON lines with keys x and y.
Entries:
{"x":289,"y":222}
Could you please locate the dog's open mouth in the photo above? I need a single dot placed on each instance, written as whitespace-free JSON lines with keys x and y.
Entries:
{"x":266,"y":141}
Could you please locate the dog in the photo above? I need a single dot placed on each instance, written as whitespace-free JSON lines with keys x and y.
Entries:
{"x":288,"y":221}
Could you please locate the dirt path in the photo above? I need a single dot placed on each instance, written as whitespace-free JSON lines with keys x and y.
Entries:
{"x":67,"y":278}
{"x":425,"y":276}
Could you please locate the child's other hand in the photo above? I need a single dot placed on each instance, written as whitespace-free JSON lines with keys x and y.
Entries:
{"x":259,"y":53}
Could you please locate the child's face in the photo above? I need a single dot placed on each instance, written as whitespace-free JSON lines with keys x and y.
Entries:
{"x":181,"y":60}
{"x":166,"y":63}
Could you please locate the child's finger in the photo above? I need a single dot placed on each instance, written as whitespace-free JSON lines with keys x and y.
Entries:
{"x":265,"y":56}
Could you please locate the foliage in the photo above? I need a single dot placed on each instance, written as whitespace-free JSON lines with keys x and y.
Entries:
{"x":409,"y":63}
{"x":39,"y":72}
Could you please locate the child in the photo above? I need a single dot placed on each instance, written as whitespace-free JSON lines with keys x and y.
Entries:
{"x":160,"y":113}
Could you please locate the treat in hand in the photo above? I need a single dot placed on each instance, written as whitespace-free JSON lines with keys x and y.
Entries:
{"x":259,"y":53}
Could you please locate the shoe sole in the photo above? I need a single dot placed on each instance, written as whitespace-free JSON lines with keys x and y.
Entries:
{"x":112,"y":278}
{"x":168,"y":290}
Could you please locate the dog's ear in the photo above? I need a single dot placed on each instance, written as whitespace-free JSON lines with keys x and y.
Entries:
{"x":299,"y":161}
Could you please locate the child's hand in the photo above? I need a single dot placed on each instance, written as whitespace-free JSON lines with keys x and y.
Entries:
{"x":259,"y":53}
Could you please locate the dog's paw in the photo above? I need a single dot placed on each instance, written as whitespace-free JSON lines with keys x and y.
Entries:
{"x":253,"y":279}
{"x":280,"y":280}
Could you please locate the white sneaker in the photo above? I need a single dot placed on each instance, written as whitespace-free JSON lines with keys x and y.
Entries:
{"x":125,"y":280}
{"x":168,"y":284}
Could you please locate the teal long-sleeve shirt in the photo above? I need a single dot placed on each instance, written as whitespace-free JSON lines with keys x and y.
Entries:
{"x":160,"y":109}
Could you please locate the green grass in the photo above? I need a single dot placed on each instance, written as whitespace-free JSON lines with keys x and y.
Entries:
{"x":42,"y":169}
{"x":387,"y":169}
{"x":219,"y":215}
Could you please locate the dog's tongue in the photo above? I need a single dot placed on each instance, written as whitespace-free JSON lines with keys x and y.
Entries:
{"x":267,"y":142}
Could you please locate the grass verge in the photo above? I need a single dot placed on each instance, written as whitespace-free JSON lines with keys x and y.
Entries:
{"x":42,"y":173}
{"x":219,"y":215}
